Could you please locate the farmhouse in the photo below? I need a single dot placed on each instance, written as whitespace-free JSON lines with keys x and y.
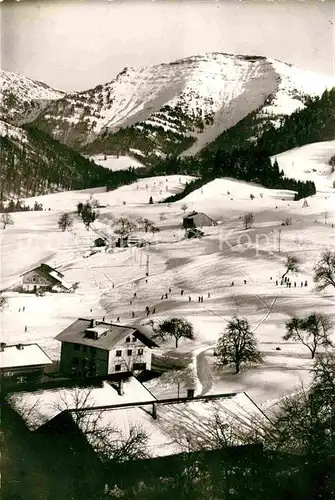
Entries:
{"x":44,"y":278}
{"x":94,"y":348}
{"x":197,"y":219}
{"x":22,"y":362}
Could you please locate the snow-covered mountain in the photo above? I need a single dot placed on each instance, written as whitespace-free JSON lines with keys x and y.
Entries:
{"x":22,"y":98}
{"x":179,"y":106}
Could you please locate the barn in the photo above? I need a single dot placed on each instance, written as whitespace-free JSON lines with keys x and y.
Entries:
{"x":100,"y":242}
{"x":197,"y":219}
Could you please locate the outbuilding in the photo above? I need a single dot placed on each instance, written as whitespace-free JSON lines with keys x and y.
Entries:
{"x":197,"y":219}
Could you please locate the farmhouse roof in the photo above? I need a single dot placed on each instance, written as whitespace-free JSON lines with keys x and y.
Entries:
{"x":108,"y":335}
{"x":52,"y":275}
{"x":48,"y":403}
{"x":45,"y":269}
{"x":20,"y":355}
{"x":175,"y":417}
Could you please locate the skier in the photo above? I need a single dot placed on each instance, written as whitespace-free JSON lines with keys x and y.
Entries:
{"x":103,"y":319}
{"x":202,"y":299}
{"x":209,"y":295}
{"x":162,"y":297}
{"x":169,"y":290}
{"x":25,"y":329}
{"x":189,"y":299}
{"x":23,"y":308}
{"x":302,"y":284}
{"x":130,"y":302}
{"x":154,"y":310}
{"x":295,"y":284}
{"x":198,"y":299}
{"x":133,"y":314}
{"x":306,"y":283}
{"x":276,"y":282}
{"x":166,"y":295}
{"x":135,"y":295}
{"x":245,"y":282}
{"x":232,"y":283}
{"x":118,"y":319}
{"x":182,"y":292}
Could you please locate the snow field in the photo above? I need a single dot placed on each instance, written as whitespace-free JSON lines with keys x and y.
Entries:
{"x":227,"y":253}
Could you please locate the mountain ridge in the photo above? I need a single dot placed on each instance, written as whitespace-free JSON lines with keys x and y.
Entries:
{"x":179,"y":106}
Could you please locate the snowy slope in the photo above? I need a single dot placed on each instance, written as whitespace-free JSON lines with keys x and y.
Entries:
{"x":310,"y":163}
{"x":227,"y":253}
{"x":23,"y":98}
{"x":221,"y":190}
{"x":115,"y":163}
{"x":15,"y":133}
{"x":198,"y":97}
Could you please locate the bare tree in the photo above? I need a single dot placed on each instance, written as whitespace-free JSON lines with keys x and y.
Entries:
{"x":125,"y":226}
{"x":184,"y":207}
{"x":154,"y":229}
{"x":324,"y":270}
{"x":109,"y":442}
{"x":312,"y":331}
{"x":65,"y":221}
{"x":238,"y":345}
{"x":177,"y":328}
{"x":145,"y":223}
{"x":291,"y":265}
{"x":248,"y":220}
{"x":3,"y":302}
{"x":6,"y":219}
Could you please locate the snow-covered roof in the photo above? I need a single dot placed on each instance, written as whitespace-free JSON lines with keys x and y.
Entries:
{"x":45,"y":268}
{"x":39,"y":407}
{"x":20,"y":355}
{"x":176,"y":420}
{"x":108,"y":336}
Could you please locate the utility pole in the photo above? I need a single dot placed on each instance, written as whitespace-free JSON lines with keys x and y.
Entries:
{"x":279,"y":237}
{"x":147,"y":266}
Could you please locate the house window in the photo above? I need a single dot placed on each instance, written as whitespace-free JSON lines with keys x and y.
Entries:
{"x":129,"y":352}
{"x":134,"y":338}
{"x":117,"y":368}
{"x":118,"y":353}
{"x":34,"y":279}
{"x":76,"y":347}
{"x":140,"y":352}
{"x":128,"y":339}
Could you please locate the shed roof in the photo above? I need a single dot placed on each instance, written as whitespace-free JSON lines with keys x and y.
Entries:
{"x":27,"y":355}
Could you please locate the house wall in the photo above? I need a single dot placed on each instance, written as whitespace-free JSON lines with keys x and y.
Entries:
{"x":34,"y":279}
{"x":87,"y":357}
{"x":127,"y":362}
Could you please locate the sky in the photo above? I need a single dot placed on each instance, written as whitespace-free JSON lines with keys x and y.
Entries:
{"x":76,"y":45}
